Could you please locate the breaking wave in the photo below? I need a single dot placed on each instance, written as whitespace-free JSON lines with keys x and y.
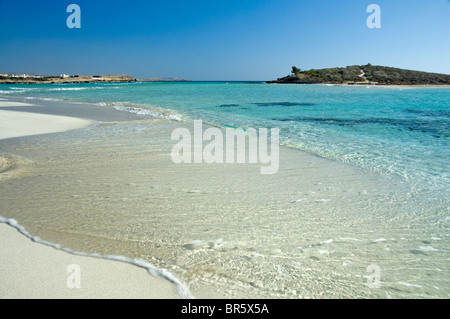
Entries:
{"x":154,"y":112}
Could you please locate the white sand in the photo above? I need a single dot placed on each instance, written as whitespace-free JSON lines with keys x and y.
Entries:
{"x":32,"y":270}
{"x":4,"y":103}
{"x":15,"y":124}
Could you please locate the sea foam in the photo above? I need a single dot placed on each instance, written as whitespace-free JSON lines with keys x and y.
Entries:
{"x":143,"y":110}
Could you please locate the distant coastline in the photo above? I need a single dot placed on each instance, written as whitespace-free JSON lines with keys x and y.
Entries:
{"x":75,"y":79}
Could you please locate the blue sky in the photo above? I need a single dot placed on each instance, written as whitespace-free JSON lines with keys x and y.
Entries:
{"x":221,"y":40}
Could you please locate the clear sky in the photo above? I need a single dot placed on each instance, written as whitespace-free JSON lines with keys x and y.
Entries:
{"x":221,"y":39}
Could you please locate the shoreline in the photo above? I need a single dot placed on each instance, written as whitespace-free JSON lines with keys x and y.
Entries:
{"x":422,"y":86}
{"x":418,"y":86}
{"x":83,"y":111}
{"x":31,"y":268}
{"x":36,"y":124}
{"x":17,"y":124}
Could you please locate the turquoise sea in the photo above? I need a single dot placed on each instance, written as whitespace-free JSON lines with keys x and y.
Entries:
{"x":386,"y":130}
{"x":375,"y":192}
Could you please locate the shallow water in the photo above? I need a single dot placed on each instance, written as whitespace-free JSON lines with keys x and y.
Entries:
{"x":393,"y":131}
{"x":309,"y":231}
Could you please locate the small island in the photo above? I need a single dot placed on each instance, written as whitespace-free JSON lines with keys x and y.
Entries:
{"x":363,"y":75}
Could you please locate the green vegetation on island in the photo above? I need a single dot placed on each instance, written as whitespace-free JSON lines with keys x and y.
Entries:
{"x":364,"y":75}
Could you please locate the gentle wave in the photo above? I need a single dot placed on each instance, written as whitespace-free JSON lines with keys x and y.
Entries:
{"x":11,"y":92}
{"x":23,"y":89}
{"x":67,"y":89}
{"x":182,"y":290}
{"x":82,"y":89}
{"x":143,"y":110}
{"x":43,"y":98}
{"x":155,"y":112}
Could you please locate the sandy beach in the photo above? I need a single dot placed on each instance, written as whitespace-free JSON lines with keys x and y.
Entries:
{"x":15,"y":124}
{"x":31,"y":269}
